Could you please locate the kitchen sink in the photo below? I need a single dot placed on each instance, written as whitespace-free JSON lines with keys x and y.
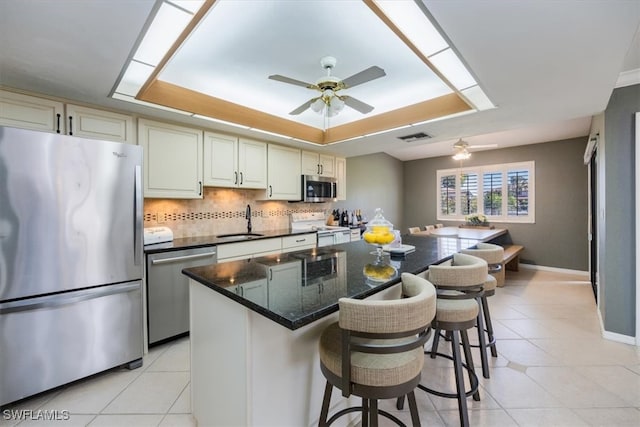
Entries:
{"x":239,"y":236}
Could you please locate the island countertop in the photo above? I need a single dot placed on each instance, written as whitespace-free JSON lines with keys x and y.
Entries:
{"x":297,"y":288}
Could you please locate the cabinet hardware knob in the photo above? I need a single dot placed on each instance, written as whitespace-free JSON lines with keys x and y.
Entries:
{"x":70,"y":125}
{"x":58,"y":123}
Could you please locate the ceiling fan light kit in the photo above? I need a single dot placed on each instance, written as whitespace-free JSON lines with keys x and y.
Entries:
{"x":461,"y":149}
{"x":329,"y":103}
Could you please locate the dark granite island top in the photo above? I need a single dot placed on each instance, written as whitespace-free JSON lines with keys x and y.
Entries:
{"x":255,"y":326}
{"x":301,"y":287}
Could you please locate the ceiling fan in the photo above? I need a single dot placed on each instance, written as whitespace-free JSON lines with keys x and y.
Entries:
{"x":329,"y":86}
{"x":461,"y":149}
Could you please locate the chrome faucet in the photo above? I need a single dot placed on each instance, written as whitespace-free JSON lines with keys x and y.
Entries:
{"x":248,"y":216}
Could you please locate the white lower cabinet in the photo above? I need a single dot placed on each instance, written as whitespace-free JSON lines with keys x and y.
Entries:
{"x":255,"y":291}
{"x":284,"y":287}
{"x":299,"y":242}
{"x":249,"y":249}
{"x":172,"y":160}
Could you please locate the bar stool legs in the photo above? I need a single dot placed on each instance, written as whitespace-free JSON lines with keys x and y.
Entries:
{"x":491,"y":343}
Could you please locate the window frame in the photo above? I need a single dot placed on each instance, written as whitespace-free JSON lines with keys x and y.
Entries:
{"x":480,"y":171}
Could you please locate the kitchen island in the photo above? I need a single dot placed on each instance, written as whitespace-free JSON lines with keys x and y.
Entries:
{"x":255,"y":325}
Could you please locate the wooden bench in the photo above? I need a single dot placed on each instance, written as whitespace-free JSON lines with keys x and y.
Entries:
{"x":510,"y":261}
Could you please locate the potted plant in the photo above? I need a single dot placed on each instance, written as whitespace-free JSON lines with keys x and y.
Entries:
{"x":476,"y":221}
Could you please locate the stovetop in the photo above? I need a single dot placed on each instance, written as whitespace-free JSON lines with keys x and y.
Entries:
{"x":314,"y":221}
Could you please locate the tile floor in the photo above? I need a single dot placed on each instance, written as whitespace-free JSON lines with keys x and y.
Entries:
{"x":553,"y":369}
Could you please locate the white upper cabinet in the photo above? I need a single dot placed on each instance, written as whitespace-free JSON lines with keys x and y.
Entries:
{"x":97,"y":124}
{"x":317,"y":164}
{"x":29,"y":112}
{"x":172,"y":160}
{"x":233,"y":162}
{"x":284,"y":177}
{"x":341,"y":177}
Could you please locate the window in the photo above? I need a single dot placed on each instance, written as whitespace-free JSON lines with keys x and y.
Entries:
{"x":504,"y":193}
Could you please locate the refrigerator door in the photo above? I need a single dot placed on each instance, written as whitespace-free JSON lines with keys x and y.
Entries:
{"x":55,"y":339}
{"x":70,"y":213}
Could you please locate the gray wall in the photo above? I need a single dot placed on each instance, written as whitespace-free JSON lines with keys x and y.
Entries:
{"x":375,"y":181}
{"x":617,"y":267}
{"x":559,"y":236}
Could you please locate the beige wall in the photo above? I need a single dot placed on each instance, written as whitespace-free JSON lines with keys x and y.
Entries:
{"x":375,"y":181}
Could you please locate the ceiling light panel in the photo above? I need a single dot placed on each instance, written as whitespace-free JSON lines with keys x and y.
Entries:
{"x":134,"y":77}
{"x":167,"y":25}
{"x":450,"y":65}
{"x":191,"y":5}
{"x":413,"y":23}
{"x":239,"y":44}
{"x":477,"y":96}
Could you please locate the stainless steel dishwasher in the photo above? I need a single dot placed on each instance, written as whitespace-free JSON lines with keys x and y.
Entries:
{"x":168,"y":290}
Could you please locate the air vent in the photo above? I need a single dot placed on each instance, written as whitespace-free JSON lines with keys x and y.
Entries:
{"x":414,"y":137}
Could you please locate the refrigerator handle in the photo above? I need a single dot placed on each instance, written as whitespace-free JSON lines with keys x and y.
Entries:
{"x":66,"y":298}
{"x":137,"y":232}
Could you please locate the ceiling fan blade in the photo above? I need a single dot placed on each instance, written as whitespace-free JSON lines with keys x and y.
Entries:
{"x":483,"y":146}
{"x":364,"y":76}
{"x":289,"y":80}
{"x":303,"y":107}
{"x":357,"y":104}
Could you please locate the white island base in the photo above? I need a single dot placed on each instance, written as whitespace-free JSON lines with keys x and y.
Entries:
{"x":247,"y":370}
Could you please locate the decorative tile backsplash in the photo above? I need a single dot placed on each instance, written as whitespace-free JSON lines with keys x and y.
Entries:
{"x":222,"y":211}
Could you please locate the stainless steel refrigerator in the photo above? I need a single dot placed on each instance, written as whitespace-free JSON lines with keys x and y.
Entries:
{"x":70,"y":259}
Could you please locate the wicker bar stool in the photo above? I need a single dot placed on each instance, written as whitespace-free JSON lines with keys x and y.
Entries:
{"x":375,"y":350}
{"x":459,"y":282}
{"x":493,"y":255}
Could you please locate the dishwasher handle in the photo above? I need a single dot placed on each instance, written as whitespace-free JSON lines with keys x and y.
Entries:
{"x":182,"y":258}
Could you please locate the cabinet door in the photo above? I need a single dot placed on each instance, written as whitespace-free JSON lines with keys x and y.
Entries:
{"x":252,"y":164}
{"x":341,"y":177}
{"x":283,"y":173}
{"x":90,"y":123}
{"x":28,"y":112}
{"x":220,"y":160}
{"x":310,"y":163}
{"x":255,"y":291}
{"x":172,"y":160}
{"x":284,"y":287}
{"x":327,"y":166}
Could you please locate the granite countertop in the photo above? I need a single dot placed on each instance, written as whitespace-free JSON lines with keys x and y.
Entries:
{"x":304,"y":286}
{"x":203,"y":241}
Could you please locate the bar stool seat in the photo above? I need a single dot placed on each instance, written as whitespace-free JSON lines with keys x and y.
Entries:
{"x":376,"y":350}
{"x":493,"y":255}
{"x":459,"y":283}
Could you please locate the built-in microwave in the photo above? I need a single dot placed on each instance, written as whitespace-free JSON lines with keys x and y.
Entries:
{"x":318,"y":189}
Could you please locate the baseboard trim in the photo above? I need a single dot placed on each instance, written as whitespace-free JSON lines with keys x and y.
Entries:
{"x":555,"y":270}
{"x":624,"y":339}
{"x":612,"y":336}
